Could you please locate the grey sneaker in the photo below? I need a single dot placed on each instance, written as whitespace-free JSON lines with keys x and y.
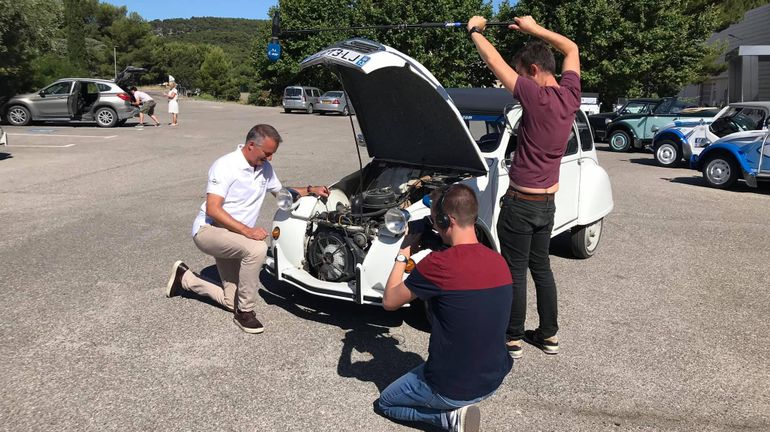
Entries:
{"x":468,"y":419}
{"x":248,"y":322}
{"x":174,"y":285}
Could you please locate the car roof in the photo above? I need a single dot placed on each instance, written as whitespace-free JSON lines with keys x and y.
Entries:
{"x":487,"y":100}
{"x":763,"y":104}
{"x":100,"y":80}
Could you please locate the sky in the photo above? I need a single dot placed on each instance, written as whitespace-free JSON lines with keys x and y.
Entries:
{"x":154,"y":9}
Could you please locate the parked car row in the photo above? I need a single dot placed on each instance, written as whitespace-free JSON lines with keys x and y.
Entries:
{"x":311,"y":99}
{"x":635,"y":124}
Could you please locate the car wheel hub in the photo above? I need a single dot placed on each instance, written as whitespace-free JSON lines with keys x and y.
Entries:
{"x":618,"y":141}
{"x":666,"y":154}
{"x":719,"y":171}
{"x":593,"y":233}
{"x":105,"y":117}
{"x":18,"y":115}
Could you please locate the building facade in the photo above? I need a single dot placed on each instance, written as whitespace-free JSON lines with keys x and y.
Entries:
{"x":747,"y":57}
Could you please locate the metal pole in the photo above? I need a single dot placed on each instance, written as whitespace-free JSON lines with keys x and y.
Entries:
{"x":115,"y":59}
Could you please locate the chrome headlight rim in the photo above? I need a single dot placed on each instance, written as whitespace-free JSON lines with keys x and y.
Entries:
{"x":284,"y":199}
{"x":396,"y":221}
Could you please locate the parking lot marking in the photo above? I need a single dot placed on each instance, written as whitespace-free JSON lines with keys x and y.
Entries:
{"x":60,"y":136}
{"x":44,"y":146}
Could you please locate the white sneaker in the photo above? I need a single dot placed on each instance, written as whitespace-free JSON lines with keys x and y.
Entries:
{"x":467,"y":419}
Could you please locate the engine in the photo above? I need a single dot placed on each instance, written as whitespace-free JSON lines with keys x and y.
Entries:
{"x":339,"y":238}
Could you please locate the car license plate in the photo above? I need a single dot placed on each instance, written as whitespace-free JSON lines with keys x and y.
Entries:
{"x":326,"y":102}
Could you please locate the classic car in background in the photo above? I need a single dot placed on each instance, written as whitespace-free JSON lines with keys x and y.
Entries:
{"x":687,"y":137}
{"x":743,"y":155}
{"x":600,"y":121}
{"x":343,"y":247}
{"x":637,"y":130}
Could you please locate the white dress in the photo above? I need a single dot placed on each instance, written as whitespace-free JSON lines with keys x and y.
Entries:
{"x":173,"y":105}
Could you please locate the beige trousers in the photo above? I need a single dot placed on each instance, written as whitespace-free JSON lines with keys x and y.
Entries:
{"x":239,"y":260}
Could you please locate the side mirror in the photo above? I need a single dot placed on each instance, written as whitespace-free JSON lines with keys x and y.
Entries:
{"x":41,"y":93}
{"x":655,"y":129}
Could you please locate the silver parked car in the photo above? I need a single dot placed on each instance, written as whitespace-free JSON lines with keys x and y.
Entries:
{"x":300,"y":98}
{"x":333,"y":101}
{"x":105,"y":102}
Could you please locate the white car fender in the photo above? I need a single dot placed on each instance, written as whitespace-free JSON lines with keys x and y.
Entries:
{"x":595,"y":193}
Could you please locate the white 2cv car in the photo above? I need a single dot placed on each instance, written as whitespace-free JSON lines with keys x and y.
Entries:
{"x":344,"y":246}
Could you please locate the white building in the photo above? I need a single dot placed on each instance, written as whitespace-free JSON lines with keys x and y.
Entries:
{"x":747,"y":77}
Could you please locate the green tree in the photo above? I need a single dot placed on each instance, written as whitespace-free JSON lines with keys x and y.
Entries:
{"x":728,"y":11}
{"x":180,"y":59}
{"x":448,"y":54}
{"x":27,"y":28}
{"x":216,"y":75}
{"x":74,"y":24}
{"x":627,"y":47}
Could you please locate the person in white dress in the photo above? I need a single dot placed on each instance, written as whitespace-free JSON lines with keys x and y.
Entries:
{"x":173,"y":105}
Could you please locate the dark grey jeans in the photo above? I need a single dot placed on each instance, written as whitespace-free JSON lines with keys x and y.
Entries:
{"x":524,"y":229}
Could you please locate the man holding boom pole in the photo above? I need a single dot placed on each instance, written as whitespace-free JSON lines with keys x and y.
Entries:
{"x":526,"y":218}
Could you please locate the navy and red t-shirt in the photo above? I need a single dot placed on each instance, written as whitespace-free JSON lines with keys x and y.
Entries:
{"x":545,"y":129}
{"x":469,"y":290}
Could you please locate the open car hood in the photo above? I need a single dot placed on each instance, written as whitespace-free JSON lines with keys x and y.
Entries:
{"x":405,"y":115}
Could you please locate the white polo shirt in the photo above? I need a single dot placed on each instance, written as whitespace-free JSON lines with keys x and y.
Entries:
{"x":141,"y":96}
{"x":242,"y":186}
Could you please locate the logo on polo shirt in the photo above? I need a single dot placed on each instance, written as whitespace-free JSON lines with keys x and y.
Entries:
{"x":214,"y":181}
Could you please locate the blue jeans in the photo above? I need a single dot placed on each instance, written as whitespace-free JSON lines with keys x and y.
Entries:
{"x":409,"y":398}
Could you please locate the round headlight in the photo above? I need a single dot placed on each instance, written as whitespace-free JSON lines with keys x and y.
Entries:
{"x":396,"y":220}
{"x":607,"y":121}
{"x":285,"y":200}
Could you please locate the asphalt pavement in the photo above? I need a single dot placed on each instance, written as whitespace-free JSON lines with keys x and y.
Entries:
{"x":665,"y":328}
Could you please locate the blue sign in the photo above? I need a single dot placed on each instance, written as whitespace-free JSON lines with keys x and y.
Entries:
{"x":273,"y":51}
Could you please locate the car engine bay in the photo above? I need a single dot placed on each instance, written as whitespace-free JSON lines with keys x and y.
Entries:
{"x":339,"y":237}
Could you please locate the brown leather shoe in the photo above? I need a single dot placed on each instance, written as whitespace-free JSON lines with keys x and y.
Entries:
{"x":248,"y":322}
{"x":174,"y":285}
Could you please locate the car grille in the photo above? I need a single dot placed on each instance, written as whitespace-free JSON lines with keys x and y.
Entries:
{"x":363,"y":46}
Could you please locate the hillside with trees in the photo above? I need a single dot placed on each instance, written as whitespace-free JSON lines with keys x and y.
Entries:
{"x":628,"y":47}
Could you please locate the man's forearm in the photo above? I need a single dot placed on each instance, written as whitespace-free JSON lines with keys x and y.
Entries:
{"x":224,"y":220}
{"x":494,"y":61}
{"x":560,"y":42}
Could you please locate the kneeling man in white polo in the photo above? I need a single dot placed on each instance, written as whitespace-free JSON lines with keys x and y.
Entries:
{"x":226,"y":226}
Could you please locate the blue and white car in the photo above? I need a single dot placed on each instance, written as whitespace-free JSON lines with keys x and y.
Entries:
{"x":683,"y":139}
{"x":740,"y":155}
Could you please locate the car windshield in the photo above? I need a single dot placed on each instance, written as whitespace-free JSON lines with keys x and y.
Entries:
{"x":738,"y":119}
{"x":293,"y":91}
{"x":333,"y":94}
{"x":635,"y":108}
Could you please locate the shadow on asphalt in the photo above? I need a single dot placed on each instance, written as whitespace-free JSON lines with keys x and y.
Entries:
{"x":4,"y":156}
{"x":368,"y":333}
{"x":640,"y":161}
{"x":763,"y":188}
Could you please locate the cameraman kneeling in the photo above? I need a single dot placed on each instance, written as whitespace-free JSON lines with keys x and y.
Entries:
{"x":468,"y":289}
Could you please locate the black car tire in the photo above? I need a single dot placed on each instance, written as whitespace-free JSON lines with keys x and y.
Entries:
{"x":720,"y":171}
{"x":18,"y":115}
{"x":585,"y":239}
{"x":286,"y":110}
{"x":667,"y":153}
{"x":106,"y":117}
{"x":310,"y":109}
{"x":346,"y":111}
{"x":620,"y":141}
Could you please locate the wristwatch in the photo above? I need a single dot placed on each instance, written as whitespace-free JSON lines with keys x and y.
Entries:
{"x":401,"y":258}
{"x":475,"y":29}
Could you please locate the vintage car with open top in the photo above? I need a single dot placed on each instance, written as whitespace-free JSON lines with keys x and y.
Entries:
{"x":419,"y":139}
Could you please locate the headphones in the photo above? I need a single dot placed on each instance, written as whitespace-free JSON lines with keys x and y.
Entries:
{"x":442,"y":219}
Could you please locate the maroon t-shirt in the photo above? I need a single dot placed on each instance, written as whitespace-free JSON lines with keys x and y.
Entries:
{"x":544,"y":129}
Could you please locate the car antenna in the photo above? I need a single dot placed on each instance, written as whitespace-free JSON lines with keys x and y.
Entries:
{"x":274,"y":49}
